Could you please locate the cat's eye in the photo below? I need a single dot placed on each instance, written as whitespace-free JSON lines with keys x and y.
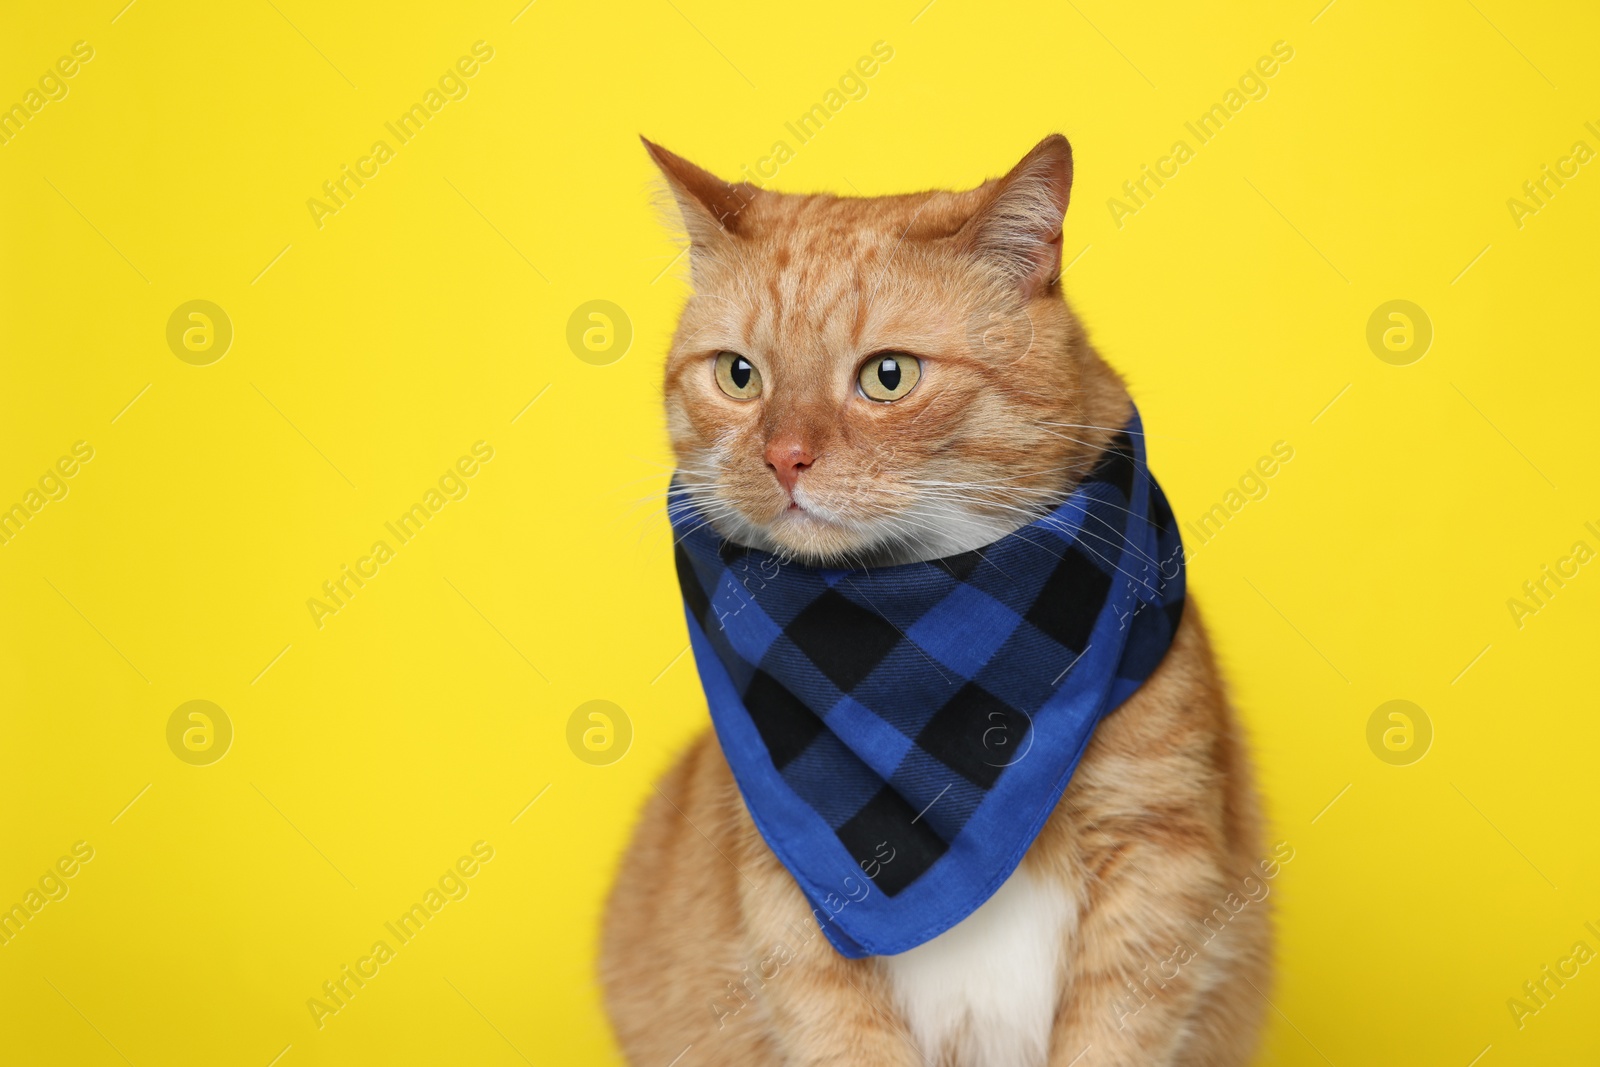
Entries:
{"x":889,"y":376}
{"x":737,"y":376}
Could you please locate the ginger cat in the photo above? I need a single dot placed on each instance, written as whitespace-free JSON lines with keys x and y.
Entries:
{"x":1104,"y":946}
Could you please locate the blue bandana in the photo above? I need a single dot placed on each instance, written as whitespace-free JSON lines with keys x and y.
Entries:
{"x":901,"y":734}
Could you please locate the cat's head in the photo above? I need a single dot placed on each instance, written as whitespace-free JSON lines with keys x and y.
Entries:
{"x":881,"y":379}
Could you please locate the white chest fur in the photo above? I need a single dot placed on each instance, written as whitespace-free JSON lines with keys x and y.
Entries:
{"x":984,"y":992}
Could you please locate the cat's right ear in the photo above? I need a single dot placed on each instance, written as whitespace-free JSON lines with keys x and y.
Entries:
{"x":712,"y":209}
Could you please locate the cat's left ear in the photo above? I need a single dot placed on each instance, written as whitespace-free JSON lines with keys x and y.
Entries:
{"x":1019,"y":228}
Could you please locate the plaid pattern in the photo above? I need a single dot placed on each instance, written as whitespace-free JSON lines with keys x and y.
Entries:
{"x":874,"y":714}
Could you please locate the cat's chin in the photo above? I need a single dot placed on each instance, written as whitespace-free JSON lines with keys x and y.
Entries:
{"x":814,"y":538}
{"x":808,"y":532}
{"x":803,"y":536}
{"x":810,"y":537}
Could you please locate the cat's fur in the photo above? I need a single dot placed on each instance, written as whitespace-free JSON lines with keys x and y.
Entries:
{"x":710,"y":951}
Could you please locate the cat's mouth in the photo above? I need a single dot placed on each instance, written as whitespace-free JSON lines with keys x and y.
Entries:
{"x":801,"y":513}
{"x":802,"y":506}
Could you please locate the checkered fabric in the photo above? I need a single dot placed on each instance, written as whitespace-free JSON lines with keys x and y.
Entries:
{"x":901,"y":734}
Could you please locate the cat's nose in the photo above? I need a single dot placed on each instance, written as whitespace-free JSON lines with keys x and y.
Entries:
{"x":786,"y":458}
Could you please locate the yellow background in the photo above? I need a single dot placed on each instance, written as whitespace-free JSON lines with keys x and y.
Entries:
{"x":370,"y":753}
